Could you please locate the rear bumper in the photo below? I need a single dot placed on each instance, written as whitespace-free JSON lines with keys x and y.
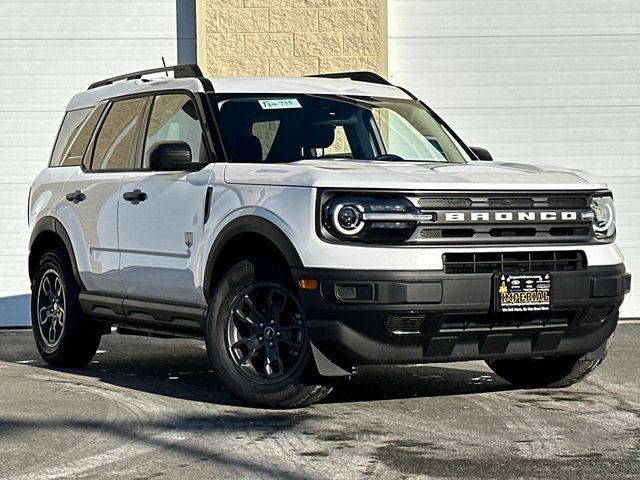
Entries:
{"x":381,"y":317}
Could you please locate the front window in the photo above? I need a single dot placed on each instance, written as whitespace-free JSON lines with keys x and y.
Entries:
{"x":291,"y":128}
{"x":174,"y":118}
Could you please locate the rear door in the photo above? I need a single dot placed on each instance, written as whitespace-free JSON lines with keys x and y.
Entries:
{"x":161,"y":229}
{"x":89,"y":211}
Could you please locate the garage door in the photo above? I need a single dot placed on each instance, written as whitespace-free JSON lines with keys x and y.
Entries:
{"x":554,"y":82}
{"x":49,"y":51}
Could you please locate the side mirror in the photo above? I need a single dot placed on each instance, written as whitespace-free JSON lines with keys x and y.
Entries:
{"x":170,"y":157}
{"x":482,"y":154}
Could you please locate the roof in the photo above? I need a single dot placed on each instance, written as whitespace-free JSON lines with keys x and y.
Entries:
{"x":265,"y":85}
{"x":305,"y":85}
{"x":90,"y":98}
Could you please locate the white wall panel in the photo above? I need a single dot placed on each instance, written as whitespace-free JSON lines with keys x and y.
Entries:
{"x":48,"y":52}
{"x":535,"y":81}
{"x":499,"y":18}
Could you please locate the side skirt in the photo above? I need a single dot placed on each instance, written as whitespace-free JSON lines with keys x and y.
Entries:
{"x":145,"y":316}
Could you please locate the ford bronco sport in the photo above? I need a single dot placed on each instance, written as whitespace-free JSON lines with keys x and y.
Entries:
{"x":304,"y":227}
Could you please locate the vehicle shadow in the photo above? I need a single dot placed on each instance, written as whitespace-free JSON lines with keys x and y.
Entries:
{"x":181,"y":369}
{"x":419,"y":381}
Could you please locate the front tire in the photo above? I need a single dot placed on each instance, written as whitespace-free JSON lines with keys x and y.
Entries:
{"x":547,"y":372}
{"x":63,"y":337}
{"x":256,"y":338}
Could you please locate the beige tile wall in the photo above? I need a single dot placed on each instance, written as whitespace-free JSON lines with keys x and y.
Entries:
{"x":291,"y":37}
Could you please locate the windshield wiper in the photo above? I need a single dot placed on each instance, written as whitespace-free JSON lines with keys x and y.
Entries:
{"x":389,"y":157}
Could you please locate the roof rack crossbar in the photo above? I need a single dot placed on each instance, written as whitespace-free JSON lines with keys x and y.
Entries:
{"x":363,"y":76}
{"x":179,"y":71}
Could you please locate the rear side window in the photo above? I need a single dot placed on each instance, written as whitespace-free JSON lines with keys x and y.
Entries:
{"x":115,"y":142}
{"x":71,"y":125}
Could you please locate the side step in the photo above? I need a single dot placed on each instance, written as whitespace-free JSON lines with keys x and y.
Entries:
{"x":145,"y":316}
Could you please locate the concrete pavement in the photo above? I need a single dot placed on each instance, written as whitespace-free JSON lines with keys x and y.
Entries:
{"x":149,"y":408}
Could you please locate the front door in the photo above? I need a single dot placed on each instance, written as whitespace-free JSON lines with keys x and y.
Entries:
{"x":161,"y":220}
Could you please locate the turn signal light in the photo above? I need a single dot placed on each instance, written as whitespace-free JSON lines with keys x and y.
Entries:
{"x":308,"y":283}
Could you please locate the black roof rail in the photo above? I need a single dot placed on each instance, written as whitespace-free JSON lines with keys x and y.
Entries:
{"x":369,"y":77}
{"x":179,"y":71}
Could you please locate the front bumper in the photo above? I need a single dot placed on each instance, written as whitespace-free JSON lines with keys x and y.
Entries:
{"x":390,"y":317}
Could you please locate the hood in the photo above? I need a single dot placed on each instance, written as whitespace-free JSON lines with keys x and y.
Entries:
{"x":412,"y":175}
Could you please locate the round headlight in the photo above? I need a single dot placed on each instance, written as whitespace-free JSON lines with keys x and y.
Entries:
{"x":347,"y":218}
{"x":370,"y":218}
{"x":604,"y":217}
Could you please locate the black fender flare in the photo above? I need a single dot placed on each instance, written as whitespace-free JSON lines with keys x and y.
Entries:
{"x":249,"y":224}
{"x":51,"y":224}
{"x":262,"y":226}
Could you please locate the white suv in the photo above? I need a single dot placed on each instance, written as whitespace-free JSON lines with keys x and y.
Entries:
{"x":304,"y":227}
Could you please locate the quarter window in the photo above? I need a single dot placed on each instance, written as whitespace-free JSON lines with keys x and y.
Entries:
{"x":175,"y":118}
{"x":74,"y":153}
{"x":69,"y":129}
{"x":116,"y":140}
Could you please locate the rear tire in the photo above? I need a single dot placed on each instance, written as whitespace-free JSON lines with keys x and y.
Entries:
{"x":63,"y":337}
{"x":256,"y":338}
{"x":547,"y":372}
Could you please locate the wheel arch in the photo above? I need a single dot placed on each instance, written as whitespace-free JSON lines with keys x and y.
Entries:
{"x":49,"y":232}
{"x":243,"y":238}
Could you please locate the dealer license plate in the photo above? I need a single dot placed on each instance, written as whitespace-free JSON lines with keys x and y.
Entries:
{"x":523,"y":293}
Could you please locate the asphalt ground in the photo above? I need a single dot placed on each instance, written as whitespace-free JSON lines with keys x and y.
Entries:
{"x":149,"y":408}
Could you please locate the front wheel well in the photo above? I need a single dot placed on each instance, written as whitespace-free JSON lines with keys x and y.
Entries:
{"x":242,"y":247}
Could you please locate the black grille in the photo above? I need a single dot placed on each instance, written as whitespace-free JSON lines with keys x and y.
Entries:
{"x":496,"y":321}
{"x":496,"y":262}
{"x":493,"y":218}
{"x":404,"y":323}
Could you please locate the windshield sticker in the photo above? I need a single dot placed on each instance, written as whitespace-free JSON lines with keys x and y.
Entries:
{"x":279,"y":103}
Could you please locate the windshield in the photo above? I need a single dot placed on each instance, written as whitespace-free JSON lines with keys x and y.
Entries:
{"x":290,"y":128}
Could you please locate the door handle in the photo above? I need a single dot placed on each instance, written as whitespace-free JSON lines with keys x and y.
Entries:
{"x":136,"y":196}
{"x":76,"y":197}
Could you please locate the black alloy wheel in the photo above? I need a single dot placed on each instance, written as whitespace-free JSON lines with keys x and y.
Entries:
{"x":265,"y":332}
{"x":257,"y":337}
